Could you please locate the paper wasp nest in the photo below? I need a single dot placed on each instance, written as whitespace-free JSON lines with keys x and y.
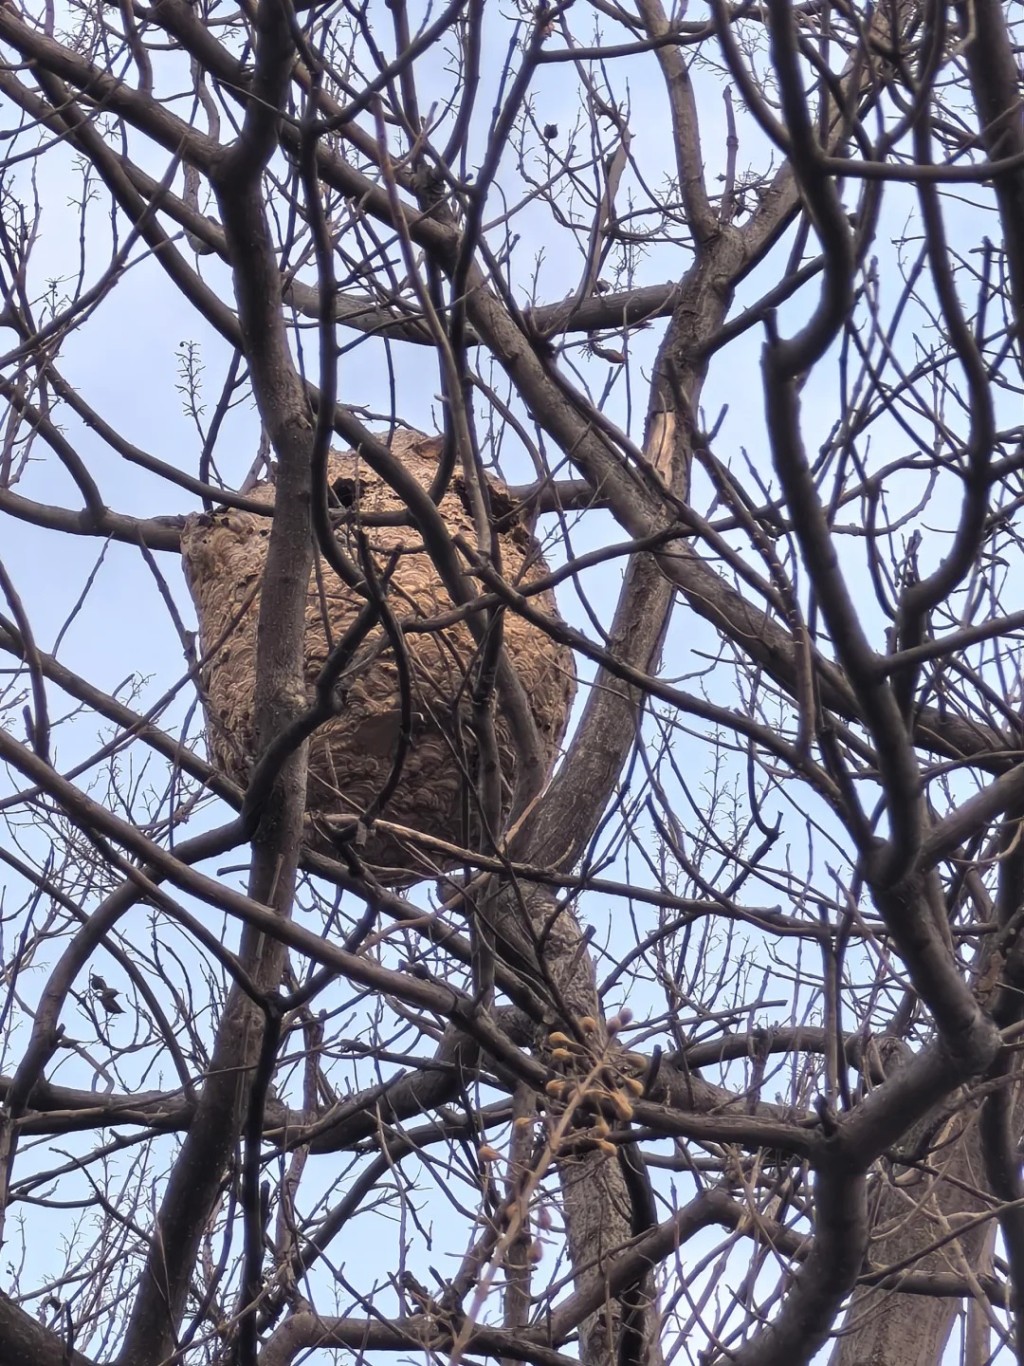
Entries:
{"x":350,"y":757}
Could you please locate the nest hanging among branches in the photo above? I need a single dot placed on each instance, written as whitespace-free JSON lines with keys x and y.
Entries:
{"x":352,"y":755}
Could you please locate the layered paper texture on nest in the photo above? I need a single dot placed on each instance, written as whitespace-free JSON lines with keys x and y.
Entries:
{"x":351,"y":756}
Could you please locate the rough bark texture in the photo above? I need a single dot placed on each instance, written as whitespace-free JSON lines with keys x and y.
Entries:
{"x":909,"y":1211}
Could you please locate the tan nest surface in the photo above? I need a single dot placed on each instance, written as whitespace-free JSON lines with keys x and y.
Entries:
{"x":351,"y":755}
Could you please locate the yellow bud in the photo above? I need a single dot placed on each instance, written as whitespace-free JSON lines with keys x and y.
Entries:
{"x":487,"y":1153}
{"x":620,"y":1105}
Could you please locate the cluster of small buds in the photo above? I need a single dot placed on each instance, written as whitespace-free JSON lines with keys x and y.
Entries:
{"x":515,"y":1215}
{"x":594,"y":1088}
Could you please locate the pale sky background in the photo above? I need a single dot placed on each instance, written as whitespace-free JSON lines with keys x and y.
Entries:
{"x":125,"y":361}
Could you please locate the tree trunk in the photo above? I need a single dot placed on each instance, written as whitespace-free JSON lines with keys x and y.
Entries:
{"x":910,"y":1211}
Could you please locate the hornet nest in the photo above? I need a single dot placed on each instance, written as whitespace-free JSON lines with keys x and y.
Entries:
{"x":351,"y":755}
